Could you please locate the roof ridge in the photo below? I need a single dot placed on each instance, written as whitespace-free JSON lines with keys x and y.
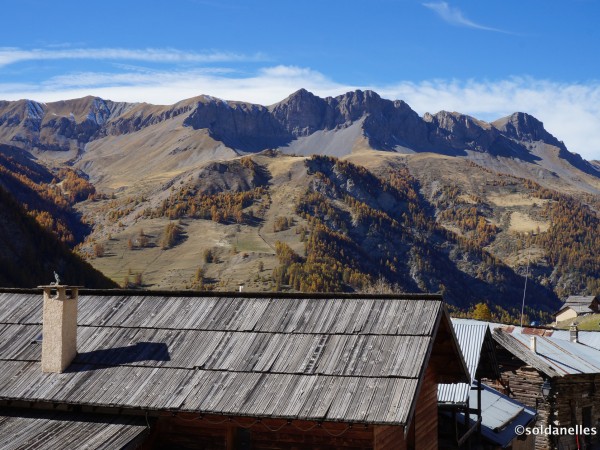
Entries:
{"x":244,"y":294}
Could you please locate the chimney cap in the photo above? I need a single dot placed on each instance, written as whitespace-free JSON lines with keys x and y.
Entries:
{"x":574,"y":333}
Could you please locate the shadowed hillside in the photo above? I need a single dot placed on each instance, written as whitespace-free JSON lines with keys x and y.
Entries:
{"x":30,"y":254}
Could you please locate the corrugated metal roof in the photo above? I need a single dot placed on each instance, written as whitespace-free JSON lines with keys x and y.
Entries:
{"x":553,"y":356}
{"x":471,"y":336}
{"x":350,"y":359}
{"x":20,"y":430}
{"x":499,"y":415}
{"x":588,"y":338}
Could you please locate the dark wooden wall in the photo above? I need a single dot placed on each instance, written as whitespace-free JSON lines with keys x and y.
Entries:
{"x":426,"y":414}
{"x":569,"y":395}
{"x":220,"y":433}
{"x":574,"y":393}
{"x":388,"y":438}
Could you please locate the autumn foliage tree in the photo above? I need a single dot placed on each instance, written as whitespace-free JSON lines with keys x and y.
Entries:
{"x":481,"y":311}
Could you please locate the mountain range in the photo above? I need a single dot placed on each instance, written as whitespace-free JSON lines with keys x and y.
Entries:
{"x":494,"y":192}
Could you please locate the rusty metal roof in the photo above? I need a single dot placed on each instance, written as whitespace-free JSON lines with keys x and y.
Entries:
{"x":347,"y":359}
{"x":587,"y":338}
{"x":553,"y":356}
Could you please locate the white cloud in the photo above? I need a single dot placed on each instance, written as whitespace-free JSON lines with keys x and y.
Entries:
{"x":454,"y":16}
{"x":268,"y":85}
{"x":10,"y":55}
{"x":571,"y":112}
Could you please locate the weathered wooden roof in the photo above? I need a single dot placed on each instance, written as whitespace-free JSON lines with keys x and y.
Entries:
{"x":29,"y":429}
{"x":582,"y":304}
{"x":347,"y":359}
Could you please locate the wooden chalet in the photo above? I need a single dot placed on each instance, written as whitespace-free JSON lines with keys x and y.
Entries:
{"x":475,"y":415}
{"x":164,"y":370}
{"x":577,"y":306}
{"x":558,"y":377}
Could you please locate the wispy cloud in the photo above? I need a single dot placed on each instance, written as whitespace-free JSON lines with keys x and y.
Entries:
{"x":454,"y":16}
{"x":10,"y":55}
{"x":569,"y":111}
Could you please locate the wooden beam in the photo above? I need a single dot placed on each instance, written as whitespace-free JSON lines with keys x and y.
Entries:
{"x":469,"y":432}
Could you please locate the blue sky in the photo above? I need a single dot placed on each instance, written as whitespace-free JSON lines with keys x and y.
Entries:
{"x":487,"y":59}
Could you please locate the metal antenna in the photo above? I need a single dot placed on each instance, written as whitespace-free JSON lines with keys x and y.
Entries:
{"x":525,"y":289}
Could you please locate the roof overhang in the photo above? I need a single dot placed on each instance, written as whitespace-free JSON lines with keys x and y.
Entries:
{"x":27,"y":428}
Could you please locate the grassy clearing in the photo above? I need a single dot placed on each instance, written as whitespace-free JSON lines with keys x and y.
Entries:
{"x":521,"y":222}
{"x":584,"y":323}
{"x":517,"y":199}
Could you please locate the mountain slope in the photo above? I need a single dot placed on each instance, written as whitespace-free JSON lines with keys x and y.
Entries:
{"x":209,"y":193}
{"x":93,"y":132}
{"x":30,"y":254}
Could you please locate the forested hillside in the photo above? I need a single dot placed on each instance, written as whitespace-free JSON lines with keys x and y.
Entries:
{"x":31,"y":254}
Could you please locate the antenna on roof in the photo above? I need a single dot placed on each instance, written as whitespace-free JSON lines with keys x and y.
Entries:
{"x":525,"y":289}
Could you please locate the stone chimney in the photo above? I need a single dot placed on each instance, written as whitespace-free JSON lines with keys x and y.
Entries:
{"x":573,"y":333}
{"x":533,"y":344}
{"x":59,"y":333}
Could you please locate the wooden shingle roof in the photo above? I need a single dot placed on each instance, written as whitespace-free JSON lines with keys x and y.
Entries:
{"x":581,"y":304}
{"x":325,"y":358}
{"x":29,"y":429}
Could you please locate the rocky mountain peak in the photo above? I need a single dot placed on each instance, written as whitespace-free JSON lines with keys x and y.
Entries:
{"x":355,"y":104}
{"x":524,"y":127}
{"x":332,"y":125}
{"x":457,"y":131}
{"x":99,"y":111}
{"x":302,"y":113}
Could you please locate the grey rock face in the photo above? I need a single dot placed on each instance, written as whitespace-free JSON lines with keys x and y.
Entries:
{"x":239,"y":125}
{"x":523,"y":127}
{"x":385,"y":124}
{"x":303,"y":113}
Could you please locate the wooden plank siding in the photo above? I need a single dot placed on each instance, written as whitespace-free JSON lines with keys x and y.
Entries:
{"x":224,"y":433}
{"x":572,"y":395}
{"x":388,"y":438}
{"x":426,"y":413}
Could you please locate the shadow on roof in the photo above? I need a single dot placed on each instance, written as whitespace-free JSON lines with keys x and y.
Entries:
{"x":118,"y":356}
